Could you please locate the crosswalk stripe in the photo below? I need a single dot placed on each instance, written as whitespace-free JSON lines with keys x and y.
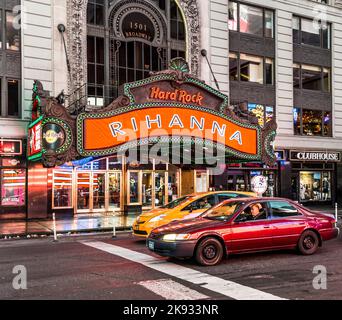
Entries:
{"x":172,"y":290}
{"x":204,"y":280}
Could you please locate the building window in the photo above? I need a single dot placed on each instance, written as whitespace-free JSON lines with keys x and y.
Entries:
{"x":263,"y":113}
{"x":177,"y":24}
{"x":233,"y":66}
{"x":232,"y":16}
{"x":250,"y":19}
{"x":311,"y":77}
{"x":95,"y":51}
{"x":127,"y":58}
{"x":95,"y":12}
{"x":315,"y":185}
{"x":13,"y":187}
{"x":12,"y":33}
{"x":1,"y":29}
{"x":312,"y":122}
{"x":13,"y":98}
{"x":311,"y":32}
{"x":250,"y":68}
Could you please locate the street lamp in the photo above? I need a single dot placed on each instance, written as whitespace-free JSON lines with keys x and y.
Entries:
{"x":61,"y":29}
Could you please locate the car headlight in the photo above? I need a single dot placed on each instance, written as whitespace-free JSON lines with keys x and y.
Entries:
{"x":174,"y":236}
{"x":157,"y":218}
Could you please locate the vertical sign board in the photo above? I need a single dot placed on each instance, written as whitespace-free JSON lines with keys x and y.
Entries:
{"x":34,"y":150}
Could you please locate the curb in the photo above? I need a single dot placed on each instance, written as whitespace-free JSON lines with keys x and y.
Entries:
{"x":38,"y":234}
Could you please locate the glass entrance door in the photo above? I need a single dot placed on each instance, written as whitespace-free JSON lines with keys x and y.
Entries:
{"x":99,"y":191}
{"x":147,"y":191}
{"x":159,"y":186}
{"x":83,"y":190}
{"x":114,"y":188}
{"x":201,"y":181}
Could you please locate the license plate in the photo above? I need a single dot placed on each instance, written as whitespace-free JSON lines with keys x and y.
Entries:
{"x":151,"y":245}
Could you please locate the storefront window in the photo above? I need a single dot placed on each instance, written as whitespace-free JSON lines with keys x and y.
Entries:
{"x":312,"y":122}
{"x":251,"y":68}
{"x":232,"y":16}
{"x":62,"y":188}
{"x":233,"y":66}
{"x":251,"y":20}
{"x":13,"y":187}
{"x":327,"y":124}
{"x":134,"y":187}
{"x":315,"y":186}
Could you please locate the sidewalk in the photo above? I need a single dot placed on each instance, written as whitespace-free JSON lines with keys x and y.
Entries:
{"x":71,"y":225}
{"x":86,"y":223}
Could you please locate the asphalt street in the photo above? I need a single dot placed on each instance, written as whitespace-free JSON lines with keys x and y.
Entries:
{"x":79,"y":267}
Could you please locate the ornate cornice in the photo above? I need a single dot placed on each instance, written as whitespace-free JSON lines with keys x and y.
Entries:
{"x":77,"y":39}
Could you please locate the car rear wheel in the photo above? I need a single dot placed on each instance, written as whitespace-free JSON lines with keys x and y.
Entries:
{"x":308,"y":242}
{"x":209,"y":252}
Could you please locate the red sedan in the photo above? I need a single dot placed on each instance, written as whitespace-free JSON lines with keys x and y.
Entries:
{"x":244,"y":225}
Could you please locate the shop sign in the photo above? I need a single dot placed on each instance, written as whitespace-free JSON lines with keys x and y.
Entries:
{"x":10,"y":162}
{"x":259,"y":184}
{"x":9,"y":147}
{"x":35,"y":139}
{"x":53,"y":136}
{"x":315,"y":156}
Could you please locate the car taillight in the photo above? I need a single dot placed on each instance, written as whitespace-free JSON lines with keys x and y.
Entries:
{"x":333,"y":222}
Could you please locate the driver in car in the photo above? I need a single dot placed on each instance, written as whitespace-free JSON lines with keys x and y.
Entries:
{"x":254,"y":212}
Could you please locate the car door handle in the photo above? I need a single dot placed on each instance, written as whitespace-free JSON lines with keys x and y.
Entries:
{"x":267,"y":227}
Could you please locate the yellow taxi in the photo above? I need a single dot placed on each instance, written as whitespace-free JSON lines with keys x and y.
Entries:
{"x":186,"y":207}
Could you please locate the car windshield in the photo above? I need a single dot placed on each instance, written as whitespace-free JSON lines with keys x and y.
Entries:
{"x":175,"y":202}
{"x":224,"y":211}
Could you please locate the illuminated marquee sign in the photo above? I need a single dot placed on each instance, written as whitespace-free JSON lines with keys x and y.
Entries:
{"x":169,"y":108}
{"x":102,"y":133}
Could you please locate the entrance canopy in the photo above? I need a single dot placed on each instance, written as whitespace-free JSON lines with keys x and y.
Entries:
{"x":168,"y":114}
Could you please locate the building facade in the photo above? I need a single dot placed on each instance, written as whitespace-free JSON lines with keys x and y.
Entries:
{"x":273,"y":59}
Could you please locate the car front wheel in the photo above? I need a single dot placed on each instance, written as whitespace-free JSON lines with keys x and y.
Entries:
{"x":209,"y":252}
{"x":308,"y":242}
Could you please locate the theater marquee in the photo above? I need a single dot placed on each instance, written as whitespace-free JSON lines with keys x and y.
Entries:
{"x":169,"y":107}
